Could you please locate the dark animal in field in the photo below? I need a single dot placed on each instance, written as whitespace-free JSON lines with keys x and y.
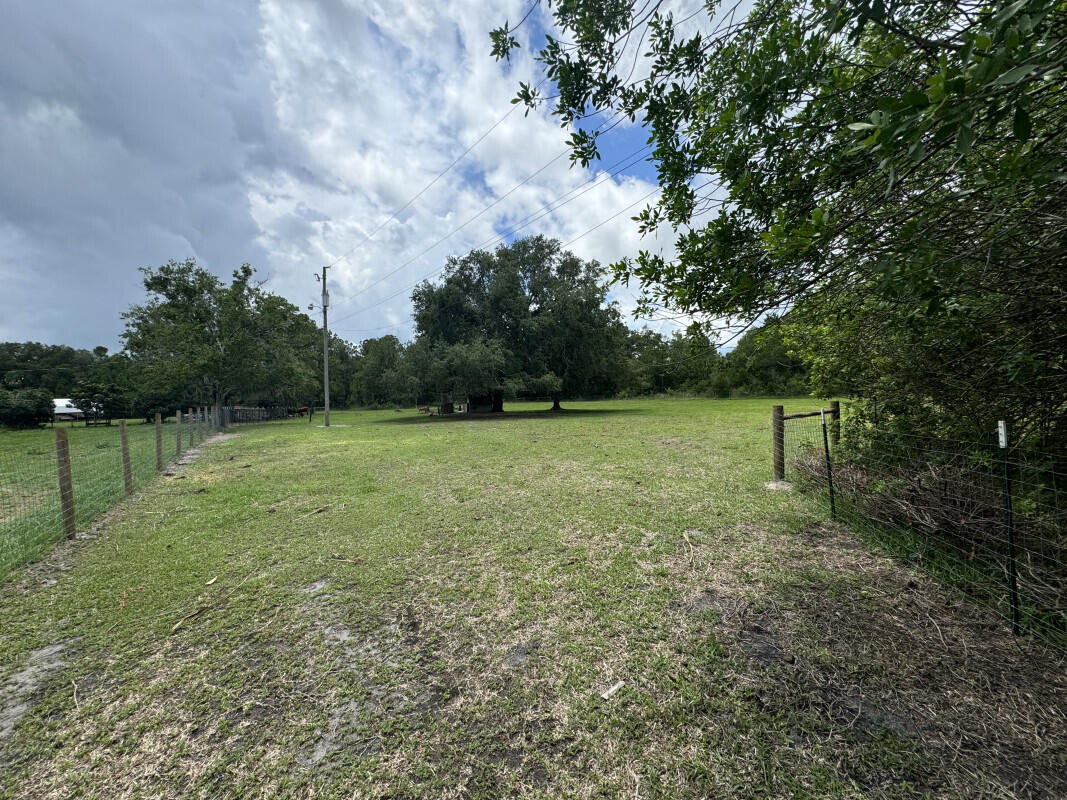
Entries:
{"x":302,"y":411}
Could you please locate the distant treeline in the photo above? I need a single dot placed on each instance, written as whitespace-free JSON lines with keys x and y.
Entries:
{"x":385,"y":372}
{"x":526,"y":321}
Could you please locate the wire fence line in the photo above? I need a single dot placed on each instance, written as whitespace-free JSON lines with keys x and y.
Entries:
{"x":54,"y":482}
{"x":986,"y":519}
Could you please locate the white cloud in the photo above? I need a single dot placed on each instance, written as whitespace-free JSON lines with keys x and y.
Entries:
{"x":281,"y":134}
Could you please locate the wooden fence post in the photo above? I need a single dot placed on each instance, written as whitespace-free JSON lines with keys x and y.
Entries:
{"x":778,"y":441}
{"x":66,"y":485}
{"x":127,"y":470}
{"x":835,"y":423}
{"x":159,"y":442}
{"x":192,"y":429}
{"x":178,"y":432}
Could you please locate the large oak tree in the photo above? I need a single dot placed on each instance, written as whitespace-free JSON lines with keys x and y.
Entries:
{"x":529,"y":319}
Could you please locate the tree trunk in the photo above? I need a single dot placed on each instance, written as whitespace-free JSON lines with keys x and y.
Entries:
{"x":498,"y":401}
{"x":555,"y":403}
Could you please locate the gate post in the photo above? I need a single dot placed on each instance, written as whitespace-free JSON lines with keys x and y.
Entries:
{"x":778,"y":441}
{"x":835,"y":423}
{"x":127,"y":471}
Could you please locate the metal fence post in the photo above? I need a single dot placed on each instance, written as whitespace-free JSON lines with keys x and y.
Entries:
{"x":778,"y":441}
{"x":829,"y":467}
{"x":159,"y":442}
{"x":127,"y":471}
{"x":66,"y":485}
{"x":178,"y":432}
{"x":835,"y":423}
{"x":1013,"y":578}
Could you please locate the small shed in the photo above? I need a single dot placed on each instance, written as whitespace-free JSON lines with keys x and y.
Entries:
{"x":63,"y":408}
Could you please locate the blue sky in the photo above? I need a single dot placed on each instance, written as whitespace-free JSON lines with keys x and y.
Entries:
{"x":283,"y":133}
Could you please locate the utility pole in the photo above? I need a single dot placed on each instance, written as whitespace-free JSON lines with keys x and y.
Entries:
{"x":325,"y":349}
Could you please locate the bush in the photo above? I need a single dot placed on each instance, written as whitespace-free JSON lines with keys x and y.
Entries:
{"x":25,"y":408}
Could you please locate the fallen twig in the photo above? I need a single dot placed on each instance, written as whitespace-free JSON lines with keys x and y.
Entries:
{"x":316,"y":511}
{"x":339,"y":557}
{"x":222,"y":600}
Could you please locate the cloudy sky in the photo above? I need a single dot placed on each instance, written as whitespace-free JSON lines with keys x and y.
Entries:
{"x":286,"y":134}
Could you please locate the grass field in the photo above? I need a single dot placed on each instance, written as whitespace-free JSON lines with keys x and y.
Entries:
{"x":415,"y":607}
{"x":30,"y":516}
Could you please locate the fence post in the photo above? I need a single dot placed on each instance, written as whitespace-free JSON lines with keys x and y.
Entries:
{"x":192,"y":429}
{"x":1013,"y":579}
{"x":835,"y":423}
{"x":66,"y":485}
{"x":159,"y":442}
{"x":829,"y":467}
{"x":778,"y":441}
{"x":178,"y":432}
{"x":127,"y":471}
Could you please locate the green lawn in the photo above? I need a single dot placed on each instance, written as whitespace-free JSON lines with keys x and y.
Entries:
{"x":414,"y":607}
{"x":30,"y":518}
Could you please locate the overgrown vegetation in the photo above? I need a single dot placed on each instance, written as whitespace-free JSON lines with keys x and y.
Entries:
{"x":890,"y":175}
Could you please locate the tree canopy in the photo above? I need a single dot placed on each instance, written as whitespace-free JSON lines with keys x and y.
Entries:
{"x":529,"y":319}
{"x":223,"y":343}
{"x":888,"y":175}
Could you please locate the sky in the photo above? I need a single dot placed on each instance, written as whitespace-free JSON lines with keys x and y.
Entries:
{"x":288,"y":134}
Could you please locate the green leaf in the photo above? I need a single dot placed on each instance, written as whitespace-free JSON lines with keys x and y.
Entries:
{"x":1021,"y":125}
{"x":860,"y":126}
{"x":1014,"y":75}
{"x":917,"y":99}
{"x":964,"y":139}
{"x":1009,"y":12}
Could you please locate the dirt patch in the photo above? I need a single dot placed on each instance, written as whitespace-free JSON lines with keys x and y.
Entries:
{"x":763,"y":645}
{"x":389,"y":673}
{"x":189,"y":456}
{"x":16,"y":695}
{"x":316,"y":587}
{"x":520,"y":655}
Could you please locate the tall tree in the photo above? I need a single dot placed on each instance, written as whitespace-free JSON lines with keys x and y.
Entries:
{"x":528,"y":319}
{"x":221,"y":343}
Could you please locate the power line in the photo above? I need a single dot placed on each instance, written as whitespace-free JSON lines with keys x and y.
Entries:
{"x":613,"y":216}
{"x":546,"y":209}
{"x":407,"y":321}
{"x":616,"y":117}
{"x":424,"y":189}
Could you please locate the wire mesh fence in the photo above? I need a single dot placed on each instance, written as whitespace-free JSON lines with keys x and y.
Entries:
{"x":987,"y":520}
{"x":54,"y":482}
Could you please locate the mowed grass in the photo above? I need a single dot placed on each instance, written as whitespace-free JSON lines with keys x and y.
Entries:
{"x":30,"y":513}
{"x":417,"y":607}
